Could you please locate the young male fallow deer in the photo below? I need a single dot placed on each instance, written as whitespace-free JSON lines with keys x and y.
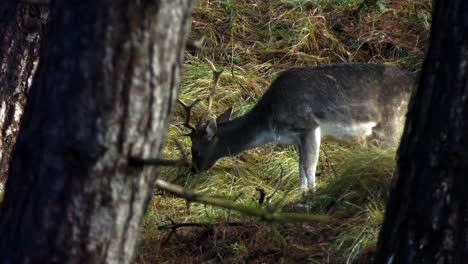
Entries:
{"x":304,"y":105}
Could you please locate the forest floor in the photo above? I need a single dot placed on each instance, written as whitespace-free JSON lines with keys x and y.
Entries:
{"x":252,"y":41}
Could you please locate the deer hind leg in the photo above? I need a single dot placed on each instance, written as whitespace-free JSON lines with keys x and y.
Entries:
{"x":386,"y":132}
{"x":309,"y":148}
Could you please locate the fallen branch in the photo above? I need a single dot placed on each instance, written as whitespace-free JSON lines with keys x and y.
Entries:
{"x":174,"y":226}
{"x":179,"y":225}
{"x":266,"y":215}
{"x":36,"y":2}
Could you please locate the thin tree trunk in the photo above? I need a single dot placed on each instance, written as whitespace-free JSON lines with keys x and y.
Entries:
{"x":104,"y":91}
{"x":21,"y":30}
{"x":426,"y":219}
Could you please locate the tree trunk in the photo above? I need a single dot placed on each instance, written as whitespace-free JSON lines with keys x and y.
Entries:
{"x":21,"y":27}
{"x":426,"y":219}
{"x":104,"y":90}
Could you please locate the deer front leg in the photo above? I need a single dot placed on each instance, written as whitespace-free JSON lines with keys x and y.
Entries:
{"x":308,"y":158}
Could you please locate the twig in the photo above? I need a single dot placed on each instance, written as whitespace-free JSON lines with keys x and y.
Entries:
{"x":327,"y":159}
{"x":170,"y":220}
{"x":233,"y":200}
{"x":268,"y":199}
{"x":182,"y":162}
{"x":36,"y":2}
{"x":265,"y":215}
{"x":173,"y":226}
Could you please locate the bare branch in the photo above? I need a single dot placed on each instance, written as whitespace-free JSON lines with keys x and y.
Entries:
{"x":183,"y":161}
{"x":173,"y":226}
{"x":179,"y":225}
{"x":265,"y":215}
{"x":36,"y":2}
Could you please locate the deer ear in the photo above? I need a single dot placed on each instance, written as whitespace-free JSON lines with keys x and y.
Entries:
{"x":224,"y":117}
{"x":211,"y":128}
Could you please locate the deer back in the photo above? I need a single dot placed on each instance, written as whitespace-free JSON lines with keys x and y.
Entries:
{"x":343,"y":93}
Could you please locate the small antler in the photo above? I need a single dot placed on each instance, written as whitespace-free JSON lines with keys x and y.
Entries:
{"x":204,"y":116}
{"x":216,"y":75}
{"x":188,"y":112}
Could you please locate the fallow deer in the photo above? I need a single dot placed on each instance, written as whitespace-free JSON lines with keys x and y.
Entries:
{"x":303,"y":105}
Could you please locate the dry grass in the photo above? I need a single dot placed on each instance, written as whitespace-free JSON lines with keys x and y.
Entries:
{"x":252,"y":44}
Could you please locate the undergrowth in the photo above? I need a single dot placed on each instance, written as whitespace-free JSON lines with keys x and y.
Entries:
{"x":252,"y":41}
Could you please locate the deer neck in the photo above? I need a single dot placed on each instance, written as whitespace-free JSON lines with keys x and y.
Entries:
{"x":243,"y":133}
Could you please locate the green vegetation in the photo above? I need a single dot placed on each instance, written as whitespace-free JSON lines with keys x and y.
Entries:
{"x":252,"y":41}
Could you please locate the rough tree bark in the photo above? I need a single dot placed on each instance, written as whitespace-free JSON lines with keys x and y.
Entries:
{"x":104,"y":90}
{"x":21,"y":30}
{"x":426,"y":219}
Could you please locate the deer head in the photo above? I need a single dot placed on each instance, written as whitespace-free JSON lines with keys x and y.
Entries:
{"x":203,"y":134}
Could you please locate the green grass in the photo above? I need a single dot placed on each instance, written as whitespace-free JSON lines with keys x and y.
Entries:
{"x":261,"y":39}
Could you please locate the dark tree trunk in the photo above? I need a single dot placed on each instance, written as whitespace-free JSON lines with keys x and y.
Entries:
{"x":426,"y":219}
{"x":21,"y":30}
{"x":104,"y":91}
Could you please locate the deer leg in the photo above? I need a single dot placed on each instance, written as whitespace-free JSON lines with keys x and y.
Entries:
{"x":308,"y":158}
{"x":386,"y":132}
